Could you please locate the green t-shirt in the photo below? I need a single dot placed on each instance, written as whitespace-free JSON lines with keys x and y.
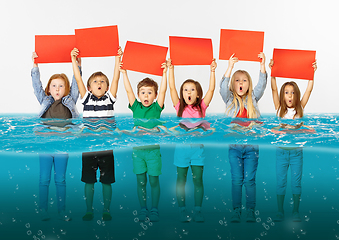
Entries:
{"x":151,"y":112}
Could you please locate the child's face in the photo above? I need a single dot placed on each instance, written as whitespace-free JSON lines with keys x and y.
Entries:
{"x":57,"y":88}
{"x":147,"y":95}
{"x":241,"y":84}
{"x":289,"y":95}
{"x":190,"y":93}
{"x":98,"y":86}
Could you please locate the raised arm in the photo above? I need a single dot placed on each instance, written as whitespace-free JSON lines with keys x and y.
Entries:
{"x":163,"y":85}
{"x":34,"y":56}
{"x":231,"y":63}
{"x":309,"y":88}
{"x":116,"y":74}
{"x":224,"y":88}
{"x":171,"y":83}
{"x":259,"y":89}
{"x":37,"y":85}
{"x":76,"y":72}
{"x":262,"y":63}
{"x":127,"y":84}
{"x":275,"y":94}
{"x":209,"y":94}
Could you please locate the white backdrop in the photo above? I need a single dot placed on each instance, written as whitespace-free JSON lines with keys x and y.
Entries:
{"x":289,"y":24}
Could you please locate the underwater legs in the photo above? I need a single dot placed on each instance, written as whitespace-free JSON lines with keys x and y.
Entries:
{"x":181,"y":183}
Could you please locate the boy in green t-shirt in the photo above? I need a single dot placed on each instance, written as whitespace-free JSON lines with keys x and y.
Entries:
{"x":147,"y":159}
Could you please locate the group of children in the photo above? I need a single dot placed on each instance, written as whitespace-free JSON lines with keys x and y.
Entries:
{"x":98,"y":99}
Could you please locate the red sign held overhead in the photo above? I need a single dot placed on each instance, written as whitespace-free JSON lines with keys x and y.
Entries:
{"x":246,"y":45}
{"x":191,"y":51}
{"x":293,"y":64}
{"x":54,"y":48}
{"x":98,"y":41}
{"x":145,"y":58}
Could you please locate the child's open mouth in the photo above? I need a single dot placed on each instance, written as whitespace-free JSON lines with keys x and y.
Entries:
{"x":240,"y":88}
{"x":189,"y":98}
{"x":99,"y":88}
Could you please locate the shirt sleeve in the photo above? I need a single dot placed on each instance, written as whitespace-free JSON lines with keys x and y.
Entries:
{"x":224,"y":89}
{"x":259,"y":89}
{"x":158,"y":106}
{"x":203,"y":107}
{"x":83,"y":100}
{"x":39,"y":92}
{"x":111,"y":96}
{"x":74,"y":92}
{"x":176,"y":107}
{"x":134,"y":106}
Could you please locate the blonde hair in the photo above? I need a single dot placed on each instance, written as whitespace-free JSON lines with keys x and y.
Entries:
{"x":251,"y":112}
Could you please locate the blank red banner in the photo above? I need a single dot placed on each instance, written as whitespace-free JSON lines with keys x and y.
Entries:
{"x":246,"y":45}
{"x":98,"y":41}
{"x":293,"y":64}
{"x":54,"y":48}
{"x":145,"y":58}
{"x":191,"y":51}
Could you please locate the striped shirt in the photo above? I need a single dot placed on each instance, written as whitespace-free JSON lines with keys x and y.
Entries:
{"x":98,"y":107}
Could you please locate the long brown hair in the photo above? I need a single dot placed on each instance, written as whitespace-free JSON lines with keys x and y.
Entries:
{"x":282,"y":110}
{"x":251,"y":112}
{"x":58,"y":76}
{"x":197,"y":103}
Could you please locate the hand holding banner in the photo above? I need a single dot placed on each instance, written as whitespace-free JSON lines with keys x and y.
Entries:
{"x":191,"y":51}
{"x":293,"y":64}
{"x":98,"y":41}
{"x":144,"y":58}
{"x":54,"y":48}
{"x":246,"y":45}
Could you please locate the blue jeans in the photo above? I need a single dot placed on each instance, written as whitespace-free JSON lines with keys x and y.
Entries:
{"x":244,"y":162}
{"x":292,"y":158}
{"x":59,"y":161}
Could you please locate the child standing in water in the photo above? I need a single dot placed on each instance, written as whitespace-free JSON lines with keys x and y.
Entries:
{"x":147,"y":159}
{"x":241,"y":101}
{"x":288,"y":105}
{"x":98,"y":101}
{"x":57,"y":101}
{"x":191,"y":104}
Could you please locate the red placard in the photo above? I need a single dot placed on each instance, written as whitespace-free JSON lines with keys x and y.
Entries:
{"x":54,"y":48}
{"x":145,"y":58}
{"x":98,"y":41}
{"x":191,"y":51}
{"x":245,"y":44}
{"x":293,"y":64}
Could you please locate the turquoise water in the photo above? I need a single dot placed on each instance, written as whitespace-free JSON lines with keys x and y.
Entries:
{"x":23,"y":137}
